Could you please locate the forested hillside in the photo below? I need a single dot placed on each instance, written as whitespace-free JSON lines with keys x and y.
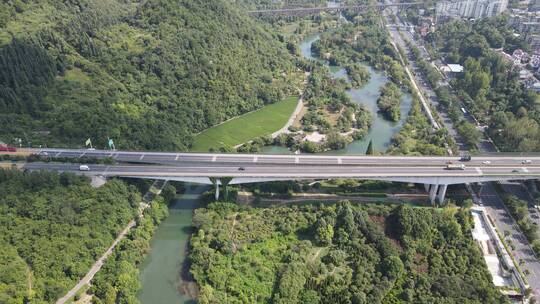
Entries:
{"x":147,"y":73}
{"x":52,"y":229}
{"x":339,"y":253}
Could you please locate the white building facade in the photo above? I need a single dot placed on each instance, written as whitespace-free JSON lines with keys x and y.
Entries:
{"x":474,"y":9}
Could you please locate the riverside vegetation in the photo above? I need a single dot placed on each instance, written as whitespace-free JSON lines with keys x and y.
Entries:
{"x":363,"y":40}
{"x":338,"y":253}
{"x":330,"y":110}
{"x":53,"y":227}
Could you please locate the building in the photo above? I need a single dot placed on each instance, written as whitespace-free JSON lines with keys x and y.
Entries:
{"x":534,"y":5}
{"x":450,"y":70}
{"x":527,"y":24}
{"x":474,"y":9}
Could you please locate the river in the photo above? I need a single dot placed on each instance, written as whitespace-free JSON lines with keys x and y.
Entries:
{"x":160,"y":271}
{"x":382,"y":130}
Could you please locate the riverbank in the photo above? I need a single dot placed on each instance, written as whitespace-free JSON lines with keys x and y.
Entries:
{"x":163,"y":274}
{"x":381,"y":130}
{"x":154,"y":190}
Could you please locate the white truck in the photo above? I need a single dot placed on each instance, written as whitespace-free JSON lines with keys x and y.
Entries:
{"x":455,"y":167}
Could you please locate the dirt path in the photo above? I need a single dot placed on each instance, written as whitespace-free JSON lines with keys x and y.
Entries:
{"x":316,"y":255}
{"x":232,"y":232}
{"x":99,"y":263}
{"x":292,"y":119}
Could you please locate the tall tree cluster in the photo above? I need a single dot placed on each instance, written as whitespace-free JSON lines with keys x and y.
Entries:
{"x":339,"y":253}
{"x":52,"y":229}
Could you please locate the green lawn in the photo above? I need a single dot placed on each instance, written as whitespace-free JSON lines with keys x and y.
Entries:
{"x":244,"y":128}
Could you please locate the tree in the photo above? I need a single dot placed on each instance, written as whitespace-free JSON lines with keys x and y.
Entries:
{"x":335,"y":141}
{"x":324,"y":233}
{"x":470,"y":134}
{"x":369,"y":150}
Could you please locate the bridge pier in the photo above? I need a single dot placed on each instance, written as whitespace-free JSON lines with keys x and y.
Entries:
{"x":436,"y":192}
{"x":217,"y":182}
{"x":442,"y":193}
{"x":432,"y":193}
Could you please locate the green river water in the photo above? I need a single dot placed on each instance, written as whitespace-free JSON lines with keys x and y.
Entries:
{"x":160,"y":272}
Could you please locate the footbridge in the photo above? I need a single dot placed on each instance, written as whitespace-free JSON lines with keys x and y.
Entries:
{"x":219,"y":169}
{"x":299,"y":12}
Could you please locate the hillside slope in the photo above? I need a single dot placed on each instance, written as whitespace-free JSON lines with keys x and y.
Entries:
{"x":147,"y":73}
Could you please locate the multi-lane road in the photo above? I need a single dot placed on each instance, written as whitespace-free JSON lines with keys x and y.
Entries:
{"x":487,"y":195}
{"x":257,"y":167}
{"x":168,"y":158}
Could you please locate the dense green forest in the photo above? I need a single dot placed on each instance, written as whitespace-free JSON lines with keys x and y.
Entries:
{"x":147,"y":73}
{"x":338,"y":253}
{"x":52,"y":229}
{"x":489,"y":86}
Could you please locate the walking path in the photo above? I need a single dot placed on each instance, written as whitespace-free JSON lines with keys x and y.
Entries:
{"x":97,"y":266}
{"x":290,"y":122}
{"x":425,"y":104}
{"x":292,"y":119}
{"x":99,"y":263}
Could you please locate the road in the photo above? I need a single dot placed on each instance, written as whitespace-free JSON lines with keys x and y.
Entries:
{"x":317,"y":10}
{"x":504,"y":222}
{"x":302,"y":159}
{"x":96,"y":267}
{"x":417,"y":173}
{"x":487,"y":194}
{"x":394,"y":34}
{"x":99,"y":263}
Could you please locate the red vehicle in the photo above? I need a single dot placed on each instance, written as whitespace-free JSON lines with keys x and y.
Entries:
{"x":4,"y":148}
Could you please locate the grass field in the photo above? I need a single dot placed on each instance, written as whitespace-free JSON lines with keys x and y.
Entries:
{"x":244,"y":128}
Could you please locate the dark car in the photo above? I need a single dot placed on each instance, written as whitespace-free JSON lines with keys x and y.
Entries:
{"x":465,"y":158}
{"x":241,"y":169}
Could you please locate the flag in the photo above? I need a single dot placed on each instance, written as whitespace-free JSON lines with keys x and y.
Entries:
{"x":88,"y":142}
{"x":111,"y":144}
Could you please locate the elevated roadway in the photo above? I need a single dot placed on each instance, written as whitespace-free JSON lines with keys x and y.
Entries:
{"x":213,"y":168}
{"x":331,"y":9}
{"x":169,"y":158}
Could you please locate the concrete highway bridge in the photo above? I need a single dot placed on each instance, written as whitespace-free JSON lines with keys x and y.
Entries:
{"x":218,"y":169}
{"x":299,"y":12}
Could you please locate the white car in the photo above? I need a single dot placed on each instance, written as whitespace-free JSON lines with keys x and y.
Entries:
{"x":527,"y":161}
{"x":84,"y":168}
{"x":486,"y":162}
